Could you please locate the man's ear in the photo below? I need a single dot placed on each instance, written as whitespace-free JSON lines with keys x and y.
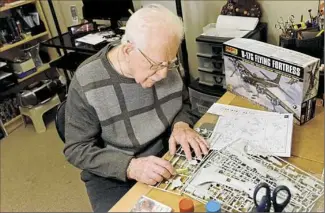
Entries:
{"x":127,"y":50}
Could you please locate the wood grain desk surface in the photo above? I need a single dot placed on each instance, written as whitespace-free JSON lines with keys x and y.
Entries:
{"x":307,"y":154}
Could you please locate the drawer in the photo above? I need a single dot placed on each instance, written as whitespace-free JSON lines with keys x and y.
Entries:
{"x":210,"y":64}
{"x":201,"y":102}
{"x":212,"y":79}
{"x":209,"y":49}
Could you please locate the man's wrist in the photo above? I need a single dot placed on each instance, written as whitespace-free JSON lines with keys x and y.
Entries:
{"x":181,"y":124}
{"x":128,"y":170}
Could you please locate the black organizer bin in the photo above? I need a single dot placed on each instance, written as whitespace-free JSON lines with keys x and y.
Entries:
{"x":313,"y":46}
{"x":202,"y":97}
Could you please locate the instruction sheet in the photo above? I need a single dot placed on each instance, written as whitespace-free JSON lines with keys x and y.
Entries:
{"x":272,"y":132}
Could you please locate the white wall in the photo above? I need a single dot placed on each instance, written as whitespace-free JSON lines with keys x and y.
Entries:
{"x":198,"y":13}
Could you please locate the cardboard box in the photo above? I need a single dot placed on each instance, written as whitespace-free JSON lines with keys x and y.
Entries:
{"x":276,"y":78}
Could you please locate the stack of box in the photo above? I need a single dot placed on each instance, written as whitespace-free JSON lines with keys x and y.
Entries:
{"x":211,"y":84}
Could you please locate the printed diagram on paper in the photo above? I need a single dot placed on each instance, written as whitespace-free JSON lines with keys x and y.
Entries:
{"x":231,"y":174}
{"x":223,"y":110}
{"x":272,"y":132}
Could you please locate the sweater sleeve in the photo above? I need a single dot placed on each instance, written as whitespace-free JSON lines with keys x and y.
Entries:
{"x":82,"y":133}
{"x":184,"y":114}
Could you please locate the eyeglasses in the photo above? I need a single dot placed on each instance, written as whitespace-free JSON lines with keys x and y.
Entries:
{"x":159,"y":66}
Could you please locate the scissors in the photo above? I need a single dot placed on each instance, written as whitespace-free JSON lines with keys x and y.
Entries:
{"x":265,"y":203}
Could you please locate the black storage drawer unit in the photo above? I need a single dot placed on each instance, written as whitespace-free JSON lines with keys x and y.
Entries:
{"x":210,"y":55}
{"x":202,"y":97}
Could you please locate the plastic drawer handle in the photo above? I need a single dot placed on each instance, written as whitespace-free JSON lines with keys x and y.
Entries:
{"x":217,"y":81}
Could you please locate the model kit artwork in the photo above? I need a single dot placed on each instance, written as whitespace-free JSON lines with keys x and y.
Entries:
{"x":230,"y":176}
{"x":278,"y":79}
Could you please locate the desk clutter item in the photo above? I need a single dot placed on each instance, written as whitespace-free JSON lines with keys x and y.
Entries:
{"x":9,"y":109}
{"x":99,"y":37}
{"x":213,"y":206}
{"x":23,"y":66}
{"x":230,"y":176}
{"x":23,"y":21}
{"x":186,"y":205}
{"x":279,"y":198}
{"x":306,"y":36}
{"x":38,"y":93}
{"x":276,"y":78}
{"x":146,"y":204}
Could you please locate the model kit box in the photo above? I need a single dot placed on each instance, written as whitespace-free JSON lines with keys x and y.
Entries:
{"x":276,"y":78}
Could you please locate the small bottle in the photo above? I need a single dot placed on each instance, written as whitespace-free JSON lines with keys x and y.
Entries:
{"x":213,"y":206}
{"x":186,"y":205}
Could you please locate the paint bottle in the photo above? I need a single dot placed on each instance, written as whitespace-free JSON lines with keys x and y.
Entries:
{"x":213,"y":206}
{"x":186,"y":205}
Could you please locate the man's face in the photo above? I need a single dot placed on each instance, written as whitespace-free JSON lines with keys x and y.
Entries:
{"x":142,"y":62}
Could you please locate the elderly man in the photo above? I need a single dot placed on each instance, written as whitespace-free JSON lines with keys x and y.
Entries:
{"x":121,"y":103}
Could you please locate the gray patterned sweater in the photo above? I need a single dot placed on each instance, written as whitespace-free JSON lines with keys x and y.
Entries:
{"x":128,"y":120}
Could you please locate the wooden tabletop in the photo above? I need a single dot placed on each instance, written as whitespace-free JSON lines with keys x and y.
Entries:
{"x":307,"y":154}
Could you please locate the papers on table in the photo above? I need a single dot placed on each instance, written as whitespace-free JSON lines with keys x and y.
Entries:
{"x":270,"y":132}
{"x":232,"y":26}
{"x":222,"y":109}
{"x":92,"y":39}
{"x":98,"y":37}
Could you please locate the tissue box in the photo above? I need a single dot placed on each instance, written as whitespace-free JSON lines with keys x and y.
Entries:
{"x":276,"y":78}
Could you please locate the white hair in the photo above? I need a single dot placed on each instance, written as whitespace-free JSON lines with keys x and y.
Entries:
{"x":148,"y":22}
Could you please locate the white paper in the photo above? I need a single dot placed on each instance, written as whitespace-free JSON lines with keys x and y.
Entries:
{"x":232,"y":26}
{"x":29,"y":21}
{"x":2,"y":64}
{"x":226,"y":33}
{"x":92,"y":39}
{"x":223,"y":109}
{"x":236,"y":22}
{"x":271,"y":132}
{"x":35,"y":17}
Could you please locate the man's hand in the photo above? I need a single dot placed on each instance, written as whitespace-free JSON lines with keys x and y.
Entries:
{"x":150,"y":170}
{"x":185,"y":136}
